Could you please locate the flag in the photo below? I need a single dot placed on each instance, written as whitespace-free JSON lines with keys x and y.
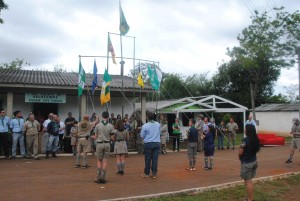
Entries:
{"x":140,"y":80}
{"x":105,"y":93}
{"x":124,"y":27}
{"x":110,"y":49}
{"x":155,"y":76}
{"x":95,"y":78}
{"x":81,"y":79}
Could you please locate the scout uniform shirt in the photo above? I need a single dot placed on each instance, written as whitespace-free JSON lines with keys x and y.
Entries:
{"x":232,"y":128}
{"x":4,"y":123}
{"x":17,"y":124}
{"x":32,"y":127}
{"x":103,"y":131}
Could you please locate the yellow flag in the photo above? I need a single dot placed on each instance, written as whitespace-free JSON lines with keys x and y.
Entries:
{"x":140,"y":80}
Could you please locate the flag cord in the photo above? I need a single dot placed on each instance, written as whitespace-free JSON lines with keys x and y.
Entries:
{"x":91,"y":99}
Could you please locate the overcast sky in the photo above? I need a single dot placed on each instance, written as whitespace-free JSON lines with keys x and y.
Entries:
{"x":184,"y":36}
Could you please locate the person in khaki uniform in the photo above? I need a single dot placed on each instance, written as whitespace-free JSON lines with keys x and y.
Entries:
{"x":199,"y":126}
{"x":232,"y":127}
{"x":103,"y":132}
{"x":83,"y":146}
{"x":295,"y":144}
{"x":31,"y":127}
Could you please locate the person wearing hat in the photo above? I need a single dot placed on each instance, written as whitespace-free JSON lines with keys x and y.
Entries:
{"x":295,"y":144}
{"x":83,"y":145}
{"x":199,"y":126}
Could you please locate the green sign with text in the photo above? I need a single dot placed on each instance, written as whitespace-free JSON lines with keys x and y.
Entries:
{"x":45,"y":98}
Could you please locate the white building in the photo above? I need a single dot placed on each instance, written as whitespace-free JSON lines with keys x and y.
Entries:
{"x":42,"y":92}
{"x":276,"y":118}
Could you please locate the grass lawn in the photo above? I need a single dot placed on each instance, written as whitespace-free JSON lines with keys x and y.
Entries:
{"x":277,"y":190}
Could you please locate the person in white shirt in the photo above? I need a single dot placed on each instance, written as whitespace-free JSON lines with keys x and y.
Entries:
{"x":61,"y":134}
{"x":45,"y":136}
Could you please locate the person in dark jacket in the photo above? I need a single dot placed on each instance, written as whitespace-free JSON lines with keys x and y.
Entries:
{"x":192,"y":135}
{"x":247,"y":154}
{"x":209,"y":147}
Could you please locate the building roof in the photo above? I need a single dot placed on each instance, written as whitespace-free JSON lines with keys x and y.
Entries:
{"x":278,"y":107}
{"x":210,"y":103}
{"x":65,"y":79}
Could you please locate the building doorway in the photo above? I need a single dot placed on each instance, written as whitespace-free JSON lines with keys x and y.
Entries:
{"x":42,"y":110}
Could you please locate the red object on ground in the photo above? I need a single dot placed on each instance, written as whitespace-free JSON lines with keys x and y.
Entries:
{"x":270,"y":140}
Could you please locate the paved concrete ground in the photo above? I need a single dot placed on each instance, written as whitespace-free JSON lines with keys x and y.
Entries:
{"x":57,"y":179}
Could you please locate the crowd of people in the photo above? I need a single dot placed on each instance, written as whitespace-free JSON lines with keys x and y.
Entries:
{"x":106,"y":134}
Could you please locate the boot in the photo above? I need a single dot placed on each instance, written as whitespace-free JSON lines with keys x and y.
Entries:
{"x":54,"y":155}
{"x":47,"y":154}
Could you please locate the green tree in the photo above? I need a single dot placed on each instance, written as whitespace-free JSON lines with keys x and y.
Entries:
{"x":172,"y":87}
{"x":59,"y":68}
{"x":3,"y":6}
{"x":198,"y":85}
{"x":265,"y":48}
{"x":17,"y":64}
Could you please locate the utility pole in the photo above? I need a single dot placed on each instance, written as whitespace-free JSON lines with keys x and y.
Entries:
{"x":298,"y":52}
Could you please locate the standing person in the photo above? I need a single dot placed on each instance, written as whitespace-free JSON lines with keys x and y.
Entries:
{"x":112,"y":119}
{"x":119,"y":117}
{"x":32,"y":127}
{"x":73,"y":134}
{"x":53,"y":130}
{"x":295,"y":144}
{"x":84,"y":129}
{"x":251,"y":121}
{"x":4,"y":137}
{"x":232,"y":127}
{"x":176,"y":135}
{"x":91,"y":140}
{"x":61,"y":134}
{"x":121,"y":136}
{"x":205,"y":125}
{"x":45,"y":136}
{"x":69,"y":122}
{"x":151,"y":136}
{"x":247,"y":154}
{"x":221,"y":130}
{"x":209,"y":147}
{"x":103,"y":130}
{"x":17,"y":126}
{"x":199,"y":127}
{"x":163,"y":135}
{"x":192,"y":135}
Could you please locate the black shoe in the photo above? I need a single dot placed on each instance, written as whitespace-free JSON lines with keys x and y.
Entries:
{"x":289,"y":161}
{"x":98,"y":181}
{"x":84,"y":166}
{"x":77,"y":165}
{"x":54,"y":155}
{"x":102,"y":181}
{"x":36,"y":158}
{"x":121,"y":172}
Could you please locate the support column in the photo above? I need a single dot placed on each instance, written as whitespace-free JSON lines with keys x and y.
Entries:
{"x":143,"y":107}
{"x":9,"y":103}
{"x":83,"y":105}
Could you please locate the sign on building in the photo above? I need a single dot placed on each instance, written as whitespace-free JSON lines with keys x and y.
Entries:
{"x":45,"y":98}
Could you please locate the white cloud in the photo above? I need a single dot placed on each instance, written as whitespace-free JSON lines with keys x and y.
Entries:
{"x":185,"y":37}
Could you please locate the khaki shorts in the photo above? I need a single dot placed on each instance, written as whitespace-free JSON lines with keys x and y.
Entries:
{"x":83,"y":145}
{"x":248,"y":170}
{"x":102,"y":150}
{"x":295,"y":144}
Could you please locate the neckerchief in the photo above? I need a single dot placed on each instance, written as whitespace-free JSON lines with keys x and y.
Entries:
{"x":104,"y":123}
{"x":2,"y":120}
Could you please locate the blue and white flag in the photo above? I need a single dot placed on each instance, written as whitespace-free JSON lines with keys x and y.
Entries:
{"x":95,"y":78}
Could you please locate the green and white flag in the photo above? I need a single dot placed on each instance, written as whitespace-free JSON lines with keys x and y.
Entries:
{"x":155,"y":76}
{"x":81,"y":79}
{"x":124,"y":27}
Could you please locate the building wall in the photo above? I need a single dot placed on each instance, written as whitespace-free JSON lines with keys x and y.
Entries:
{"x":279,"y":123}
{"x":71,"y":105}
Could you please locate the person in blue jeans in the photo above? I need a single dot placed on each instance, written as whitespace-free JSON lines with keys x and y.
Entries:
{"x":221,"y":130}
{"x":17,"y":124}
{"x":53,"y":130}
{"x":150,"y":134}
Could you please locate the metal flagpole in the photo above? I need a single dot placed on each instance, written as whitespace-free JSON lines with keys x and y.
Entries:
{"x":122,"y":74}
{"x":141,"y":91}
{"x":134,"y":76}
{"x":78,"y":97}
{"x":107,"y":65}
